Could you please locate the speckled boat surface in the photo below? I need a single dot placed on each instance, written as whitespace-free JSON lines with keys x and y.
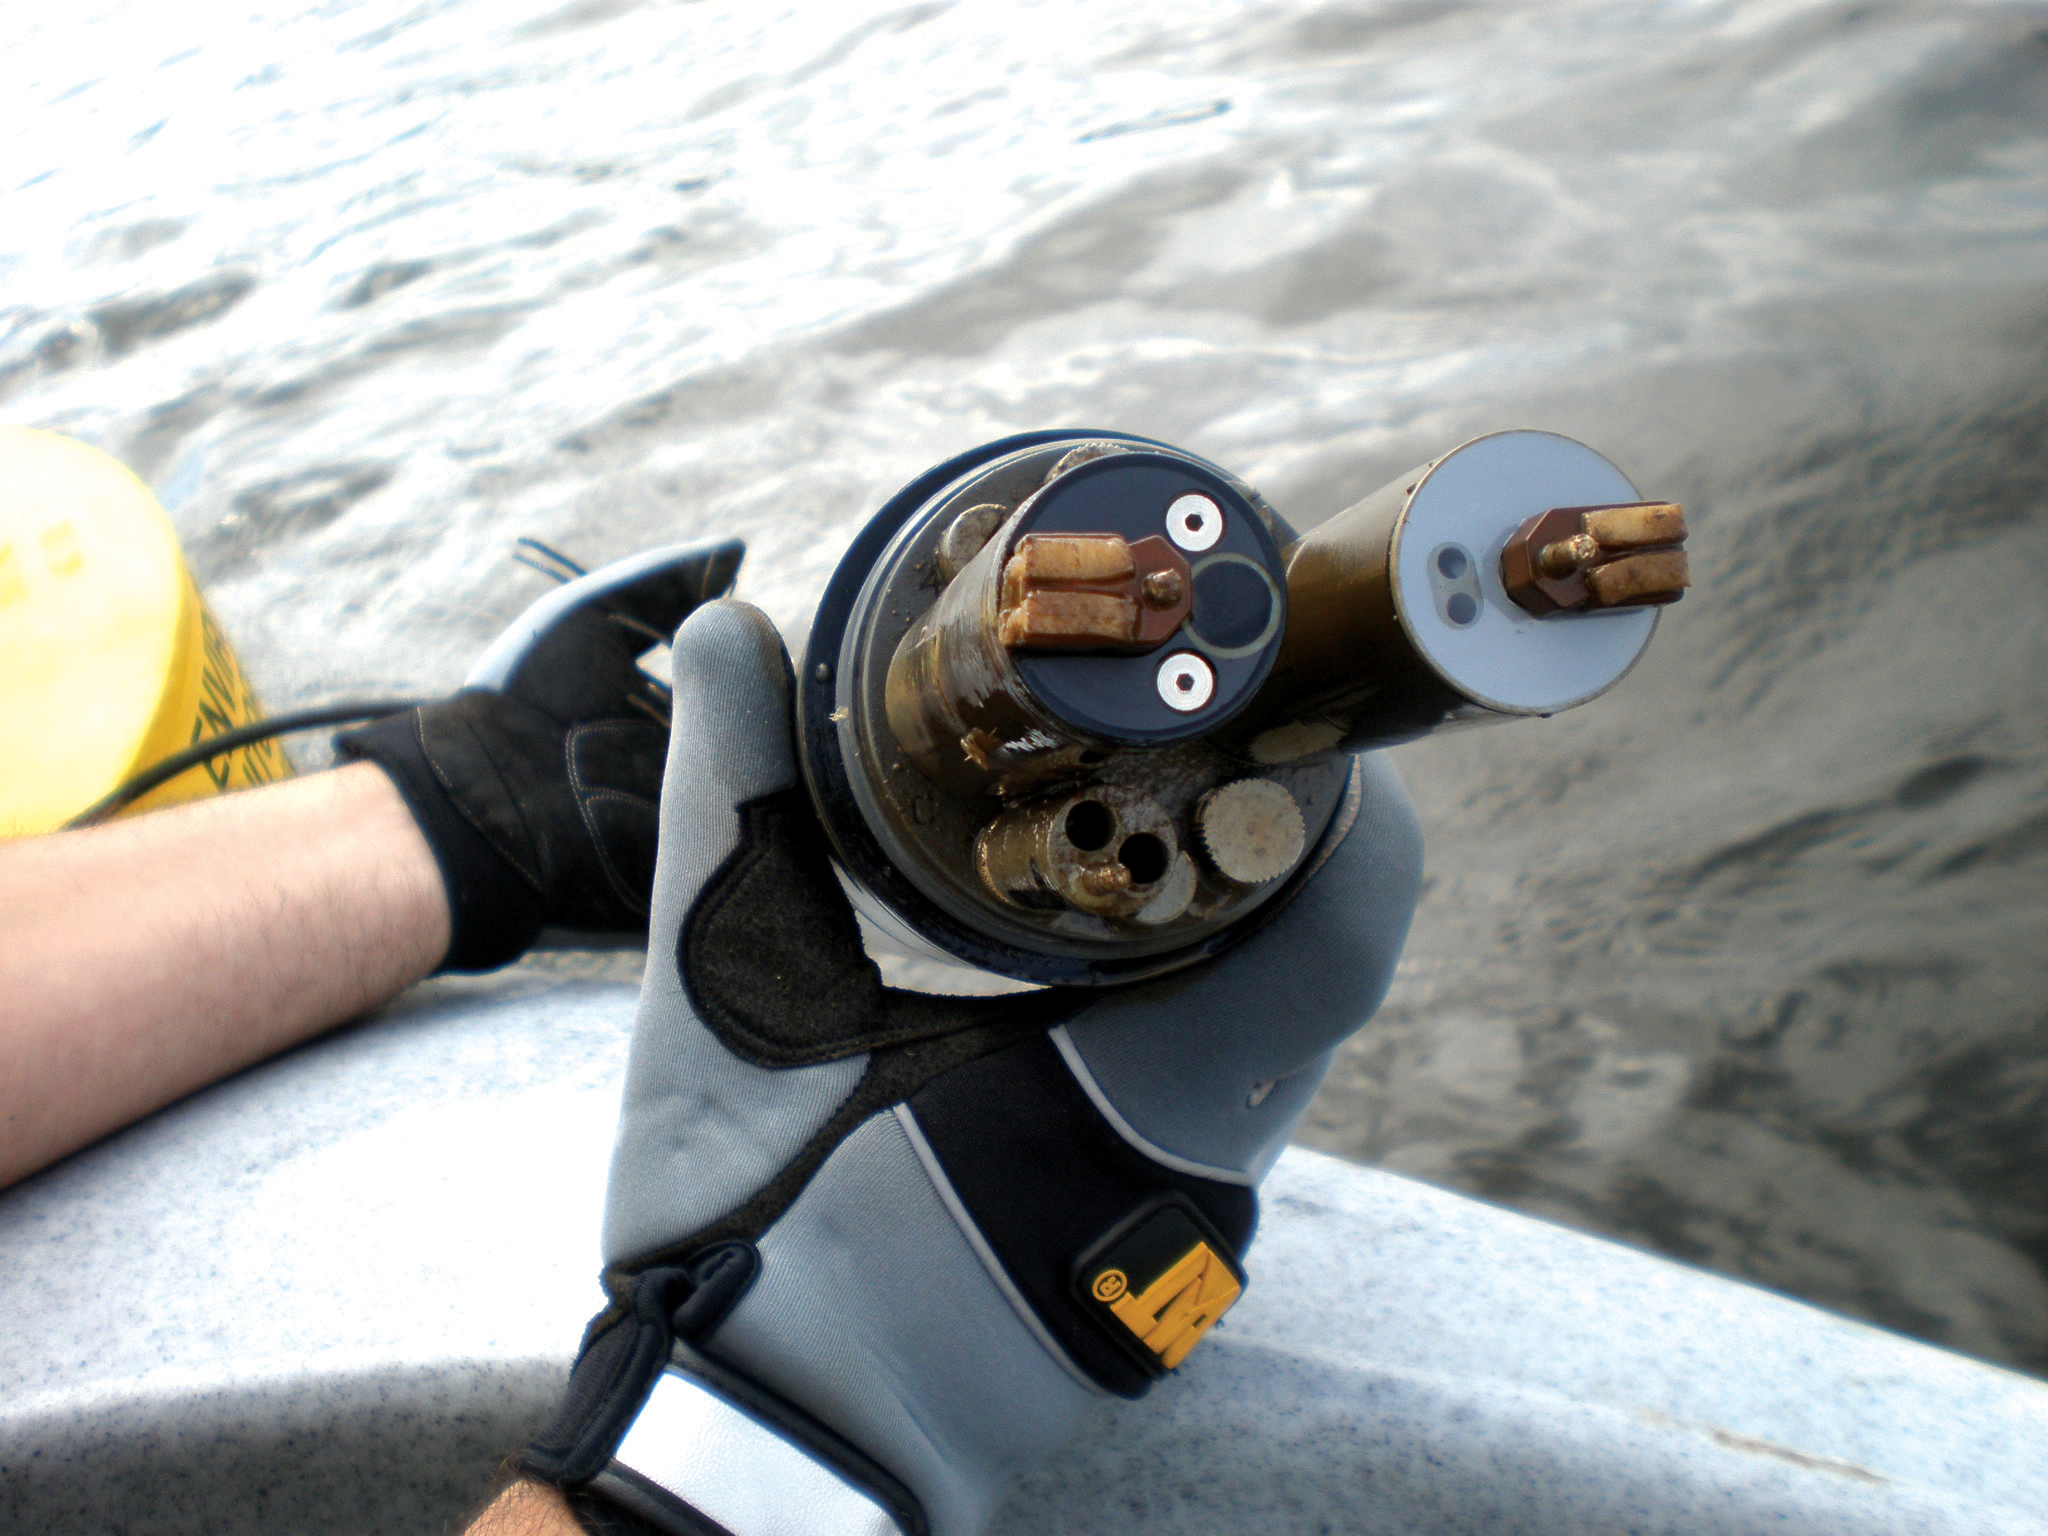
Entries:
{"x":330,"y":1294}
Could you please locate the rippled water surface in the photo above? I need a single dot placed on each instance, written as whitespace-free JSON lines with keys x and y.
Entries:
{"x":1745,"y":962}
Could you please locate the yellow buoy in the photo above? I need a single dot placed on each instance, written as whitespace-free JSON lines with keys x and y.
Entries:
{"x":109,"y":661}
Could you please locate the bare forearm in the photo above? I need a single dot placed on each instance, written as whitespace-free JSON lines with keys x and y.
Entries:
{"x":526,"y":1509}
{"x":144,"y":959}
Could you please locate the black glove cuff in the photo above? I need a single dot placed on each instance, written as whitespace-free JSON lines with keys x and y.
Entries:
{"x":493,"y":913}
{"x":622,"y":1355}
{"x":623,"y":1364}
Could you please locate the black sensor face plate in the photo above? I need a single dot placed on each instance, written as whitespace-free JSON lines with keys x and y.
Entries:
{"x":1240,"y":609}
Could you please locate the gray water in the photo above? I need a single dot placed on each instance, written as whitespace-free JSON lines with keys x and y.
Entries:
{"x":1744,"y":963}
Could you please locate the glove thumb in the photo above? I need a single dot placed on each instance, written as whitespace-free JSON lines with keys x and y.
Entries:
{"x":732,"y":741}
{"x":700,"y":1129}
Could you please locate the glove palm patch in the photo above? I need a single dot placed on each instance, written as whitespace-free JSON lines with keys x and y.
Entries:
{"x":1159,"y":1282}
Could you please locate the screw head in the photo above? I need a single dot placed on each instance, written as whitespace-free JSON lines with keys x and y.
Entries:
{"x":1186,"y":682}
{"x":1162,"y":589}
{"x":1194,"y":522}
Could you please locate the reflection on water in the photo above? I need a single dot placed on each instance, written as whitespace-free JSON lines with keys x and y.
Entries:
{"x":1745,"y":962}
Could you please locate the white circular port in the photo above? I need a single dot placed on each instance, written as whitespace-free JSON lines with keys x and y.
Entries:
{"x":1185,"y":682}
{"x":1194,"y":522}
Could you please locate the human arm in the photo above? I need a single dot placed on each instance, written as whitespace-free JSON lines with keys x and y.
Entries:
{"x":526,"y":1508}
{"x":143,"y":959}
{"x":146,"y":958}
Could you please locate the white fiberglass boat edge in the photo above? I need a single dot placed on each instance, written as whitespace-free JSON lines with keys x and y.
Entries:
{"x":330,"y":1294}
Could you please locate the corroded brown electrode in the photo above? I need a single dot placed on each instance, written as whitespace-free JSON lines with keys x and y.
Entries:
{"x":1092,"y":592}
{"x":1108,"y":850}
{"x":1574,"y":559}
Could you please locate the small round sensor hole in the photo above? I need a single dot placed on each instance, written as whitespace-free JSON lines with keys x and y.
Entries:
{"x":1461,"y":609}
{"x":1090,"y":825}
{"x":1145,"y":857}
{"x":1452,"y":562}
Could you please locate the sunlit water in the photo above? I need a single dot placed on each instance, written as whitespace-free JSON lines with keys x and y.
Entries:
{"x":1748,"y":962}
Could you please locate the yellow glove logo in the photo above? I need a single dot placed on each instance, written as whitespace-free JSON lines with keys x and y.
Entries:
{"x":1163,"y":1283}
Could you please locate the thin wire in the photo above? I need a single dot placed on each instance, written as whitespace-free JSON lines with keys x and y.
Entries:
{"x":523,"y":558}
{"x":556,"y":562}
{"x":191,"y":757}
{"x":653,"y":710}
{"x":658,"y":701}
{"x":531,"y":553}
{"x":638,"y":626}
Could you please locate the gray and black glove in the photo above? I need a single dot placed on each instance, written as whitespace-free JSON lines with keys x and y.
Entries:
{"x":536,"y":785}
{"x":869,"y":1252}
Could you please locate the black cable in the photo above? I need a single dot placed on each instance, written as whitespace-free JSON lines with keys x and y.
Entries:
{"x":228,"y":741}
{"x":553,"y":563}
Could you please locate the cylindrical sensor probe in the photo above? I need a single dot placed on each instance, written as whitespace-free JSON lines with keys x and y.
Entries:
{"x":1517,"y":575}
{"x":1078,"y":707}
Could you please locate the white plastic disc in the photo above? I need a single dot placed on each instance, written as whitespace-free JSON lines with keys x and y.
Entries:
{"x":1472,"y":501}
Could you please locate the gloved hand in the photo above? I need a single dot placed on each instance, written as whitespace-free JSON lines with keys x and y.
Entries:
{"x":536,"y":785}
{"x":869,"y":1251}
